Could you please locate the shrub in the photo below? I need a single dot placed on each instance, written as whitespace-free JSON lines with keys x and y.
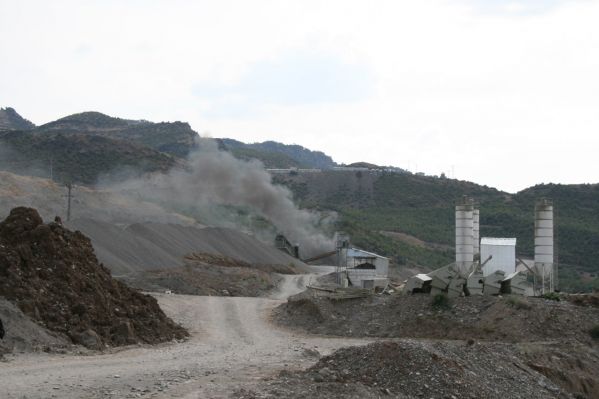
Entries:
{"x":440,"y":301}
{"x":553,"y":296}
{"x":594,"y":331}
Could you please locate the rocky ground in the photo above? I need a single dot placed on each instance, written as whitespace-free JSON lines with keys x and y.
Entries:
{"x":54,"y":278}
{"x":491,"y":347}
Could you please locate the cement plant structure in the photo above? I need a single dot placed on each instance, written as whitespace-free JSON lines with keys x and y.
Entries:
{"x":468,"y":276}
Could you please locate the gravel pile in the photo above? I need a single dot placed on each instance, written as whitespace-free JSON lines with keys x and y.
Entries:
{"x":53,"y":276}
{"x":415,"y":369}
{"x":156,"y":246}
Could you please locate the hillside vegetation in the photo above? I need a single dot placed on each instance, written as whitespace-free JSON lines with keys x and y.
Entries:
{"x":84,"y":147}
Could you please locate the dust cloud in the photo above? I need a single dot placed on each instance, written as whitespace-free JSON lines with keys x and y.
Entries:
{"x":212,"y":176}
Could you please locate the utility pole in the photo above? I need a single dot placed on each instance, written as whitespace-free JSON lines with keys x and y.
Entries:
{"x":69,"y":196}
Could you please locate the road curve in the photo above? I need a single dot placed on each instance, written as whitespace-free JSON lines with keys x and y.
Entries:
{"x":232,"y":345}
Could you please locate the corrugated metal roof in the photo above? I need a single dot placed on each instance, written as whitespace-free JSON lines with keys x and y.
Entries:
{"x":498,"y":241}
{"x":359,"y":253}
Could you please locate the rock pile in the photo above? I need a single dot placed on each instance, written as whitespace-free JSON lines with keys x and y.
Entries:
{"x":414,"y":369}
{"x":54,"y":277}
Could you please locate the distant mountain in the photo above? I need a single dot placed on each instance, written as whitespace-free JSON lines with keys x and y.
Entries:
{"x":278,"y":155}
{"x":78,"y":158}
{"x":174,"y":138}
{"x":83,"y":147}
{"x":11,"y":120}
{"x":139,"y":144}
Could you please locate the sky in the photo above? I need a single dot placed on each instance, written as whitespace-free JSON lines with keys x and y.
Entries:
{"x":502,"y":93}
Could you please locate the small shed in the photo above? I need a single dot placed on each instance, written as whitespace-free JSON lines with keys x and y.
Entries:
{"x":366,"y":269}
{"x":360,"y":259}
{"x":503,"y":253}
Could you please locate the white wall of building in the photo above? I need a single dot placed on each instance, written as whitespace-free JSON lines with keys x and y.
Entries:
{"x":503,"y":251}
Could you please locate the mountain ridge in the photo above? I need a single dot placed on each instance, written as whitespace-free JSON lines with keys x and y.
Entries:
{"x":408,"y":217}
{"x":11,"y":120}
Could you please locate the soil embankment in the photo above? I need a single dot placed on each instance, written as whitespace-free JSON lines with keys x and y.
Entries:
{"x":53,"y":276}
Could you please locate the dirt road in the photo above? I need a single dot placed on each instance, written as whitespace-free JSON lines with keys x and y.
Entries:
{"x":232,"y":345}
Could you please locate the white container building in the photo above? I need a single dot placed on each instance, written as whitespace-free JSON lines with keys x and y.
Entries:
{"x":365,"y":269}
{"x":503,"y":252}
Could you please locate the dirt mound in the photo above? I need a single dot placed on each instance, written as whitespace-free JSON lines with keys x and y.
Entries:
{"x":157,"y":246}
{"x":414,"y":369}
{"x":511,"y":319}
{"x":54,"y":277}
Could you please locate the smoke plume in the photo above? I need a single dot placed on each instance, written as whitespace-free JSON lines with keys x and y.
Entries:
{"x":212,"y":176}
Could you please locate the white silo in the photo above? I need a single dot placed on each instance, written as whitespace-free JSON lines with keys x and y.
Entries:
{"x":476,"y":232}
{"x":544,"y":245}
{"x":464,"y":236}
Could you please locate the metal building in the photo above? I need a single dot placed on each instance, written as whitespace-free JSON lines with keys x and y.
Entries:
{"x":502,"y":252}
{"x":365,"y":269}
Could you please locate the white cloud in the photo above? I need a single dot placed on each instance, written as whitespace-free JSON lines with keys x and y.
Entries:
{"x":504,"y":90}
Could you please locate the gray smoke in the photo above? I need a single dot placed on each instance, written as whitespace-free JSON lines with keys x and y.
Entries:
{"x":214,"y":177}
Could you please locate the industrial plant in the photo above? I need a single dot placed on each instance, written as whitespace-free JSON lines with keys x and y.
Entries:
{"x":489,"y":265}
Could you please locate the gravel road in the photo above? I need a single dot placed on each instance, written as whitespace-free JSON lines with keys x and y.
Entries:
{"x":232,"y":345}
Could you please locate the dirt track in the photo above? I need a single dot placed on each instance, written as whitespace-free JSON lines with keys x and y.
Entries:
{"x":232,"y":345}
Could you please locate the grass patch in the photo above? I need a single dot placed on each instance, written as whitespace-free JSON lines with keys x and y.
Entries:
{"x":552,"y":296}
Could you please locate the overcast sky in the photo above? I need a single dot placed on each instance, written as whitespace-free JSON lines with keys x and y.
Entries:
{"x":502,"y":93}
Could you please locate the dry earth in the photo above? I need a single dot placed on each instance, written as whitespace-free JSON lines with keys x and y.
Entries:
{"x":232,"y":346}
